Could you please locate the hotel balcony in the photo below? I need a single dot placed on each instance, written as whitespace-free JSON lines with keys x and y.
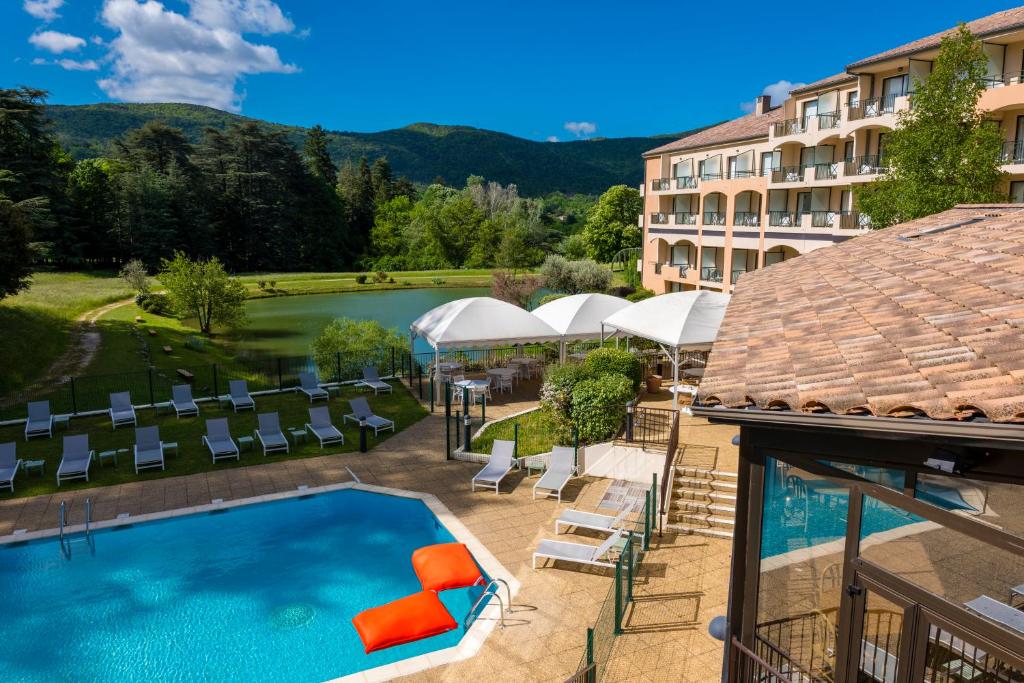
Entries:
{"x":826,"y":171}
{"x":714,"y":218}
{"x":685,"y":218}
{"x":782,"y":219}
{"x":1012,"y":152}
{"x":659,"y":218}
{"x":746,"y":219}
{"x":791,"y":126}
{"x":872,"y":107}
{"x":870,"y":164}
{"x":686,"y":183}
{"x":661,"y":184}
{"x":843,"y":220}
{"x":710,"y":274}
{"x":788,"y":174}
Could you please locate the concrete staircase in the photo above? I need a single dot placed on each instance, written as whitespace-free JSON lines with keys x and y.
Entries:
{"x":703,"y":501}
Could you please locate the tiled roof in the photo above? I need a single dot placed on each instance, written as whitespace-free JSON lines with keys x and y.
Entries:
{"x":920,"y":319}
{"x":747,"y":127}
{"x":824,"y":83}
{"x":993,"y":23}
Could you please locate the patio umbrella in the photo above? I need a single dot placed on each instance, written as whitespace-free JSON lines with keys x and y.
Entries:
{"x":579,"y":316}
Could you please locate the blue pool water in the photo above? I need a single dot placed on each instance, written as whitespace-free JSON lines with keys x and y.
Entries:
{"x":262,"y":592}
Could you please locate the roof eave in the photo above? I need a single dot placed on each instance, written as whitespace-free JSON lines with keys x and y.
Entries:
{"x":899,"y":55}
{"x":648,"y":155}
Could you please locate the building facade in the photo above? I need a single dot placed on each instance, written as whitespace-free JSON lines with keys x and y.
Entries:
{"x":778,"y":182}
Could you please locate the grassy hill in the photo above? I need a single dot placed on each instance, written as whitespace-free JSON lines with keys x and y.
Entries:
{"x":421,"y":151}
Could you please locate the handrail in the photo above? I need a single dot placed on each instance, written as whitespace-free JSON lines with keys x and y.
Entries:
{"x":741,"y":650}
{"x":88,"y":514}
{"x":670,"y":457}
{"x":62,"y":519}
{"x":508,"y":593}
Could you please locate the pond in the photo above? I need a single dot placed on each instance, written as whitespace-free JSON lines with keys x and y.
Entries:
{"x":285,"y":326}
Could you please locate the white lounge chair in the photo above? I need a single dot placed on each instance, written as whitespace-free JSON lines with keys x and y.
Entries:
{"x":218,"y":440}
{"x":76,"y":459}
{"x":149,"y":449}
{"x":309,"y":385}
{"x":269,"y":433}
{"x":320,"y":424}
{"x":580,"y":553}
{"x":122,"y":412}
{"x":594,"y":521}
{"x":361,"y":412}
{"x":372,"y":380}
{"x":39,"y":421}
{"x":238,"y":393}
{"x":560,"y":470}
{"x":9,"y":465}
{"x":181,"y":399}
{"x":501,"y":463}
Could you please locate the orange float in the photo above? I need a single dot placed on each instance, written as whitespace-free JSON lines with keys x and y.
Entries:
{"x":417,"y":616}
{"x":445,"y":566}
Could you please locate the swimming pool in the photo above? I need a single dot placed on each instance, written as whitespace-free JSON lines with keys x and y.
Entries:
{"x":261,"y":592}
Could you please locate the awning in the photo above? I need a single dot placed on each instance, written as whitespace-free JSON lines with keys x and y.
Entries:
{"x":481,"y":321}
{"x":682,"y":320}
{"x":579,"y":316}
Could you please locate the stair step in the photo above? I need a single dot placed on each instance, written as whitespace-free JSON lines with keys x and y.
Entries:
{"x":704,"y":473}
{"x":699,"y":531}
{"x":697,"y":519}
{"x":706,"y":507}
{"x":684,"y":493}
{"x":698,"y":483}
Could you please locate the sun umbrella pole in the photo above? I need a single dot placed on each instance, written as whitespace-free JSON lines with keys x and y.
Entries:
{"x":561,"y":352}
{"x":675,"y":378}
{"x":437,"y":373}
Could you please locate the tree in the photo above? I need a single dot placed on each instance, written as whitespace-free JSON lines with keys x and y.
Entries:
{"x":382,"y":180}
{"x":611,"y":224}
{"x":134,"y":273}
{"x":18,"y":221}
{"x":346,"y":346}
{"x":317,"y":157}
{"x":574,"y":277}
{"x":203,"y":290}
{"x":943,"y":151}
{"x":515,"y":289}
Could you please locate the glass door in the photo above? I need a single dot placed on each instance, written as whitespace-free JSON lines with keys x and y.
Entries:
{"x":882,"y":628}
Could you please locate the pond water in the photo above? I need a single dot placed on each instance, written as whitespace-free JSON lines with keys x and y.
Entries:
{"x":285,"y":326}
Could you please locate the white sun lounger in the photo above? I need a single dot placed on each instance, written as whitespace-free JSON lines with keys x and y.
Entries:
{"x":149,"y":449}
{"x":501,"y":463}
{"x":372,"y":380}
{"x":593,"y":520}
{"x":309,"y":385}
{"x":322,"y":428}
{"x":238,"y":393}
{"x":269,"y":433}
{"x":75,"y":461}
{"x":9,"y":465}
{"x":561,"y":469}
{"x":122,"y":412}
{"x":218,"y":440}
{"x":579,"y":553}
{"x":361,"y":411}
{"x":181,"y":399}
{"x":39,"y":421}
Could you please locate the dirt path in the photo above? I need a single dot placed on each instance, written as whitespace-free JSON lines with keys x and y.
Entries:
{"x":83,"y":342}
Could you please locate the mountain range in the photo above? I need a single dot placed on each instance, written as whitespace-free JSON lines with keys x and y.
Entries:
{"x":421,"y":151}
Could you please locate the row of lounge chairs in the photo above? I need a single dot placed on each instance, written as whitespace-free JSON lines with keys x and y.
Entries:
{"x":561,"y":468}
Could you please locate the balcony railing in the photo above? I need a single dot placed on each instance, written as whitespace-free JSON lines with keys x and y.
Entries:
{"x":872,"y":107}
{"x":656,"y":267}
{"x":828,"y":120}
{"x":714,"y":218}
{"x":782,"y":219}
{"x":829,"y":171}
{"x":685,"y":218}
{"x":869,"y":164}
{"x":854,"y":220}
{"x":682,"y":267}
{"x":711,"y":175}
{"x":791,"y":126}
{"x":746,"y":218}
{"x":823,"y":219}
{"x":1001,"y":80}
{"x":711,"y":274}
{"x":736,"y":272}
{"x":788,"y":174}
{"x":686,"y":182}
{"x":1013,"y":152}
{"x":661,"y":184}
{"x":744,"y":173}
{"x":659,"y":219}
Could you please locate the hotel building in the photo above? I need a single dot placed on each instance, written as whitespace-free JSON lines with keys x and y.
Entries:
{"x":778,"y":182}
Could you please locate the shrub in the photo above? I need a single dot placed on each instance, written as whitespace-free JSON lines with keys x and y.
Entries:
{"x":556,"y":395}
{"x":157,"y":304}
{"x":574,"y":277}
{"x":621,"y":292}
{"x":406,"y":283}
{"x":273,"y":284}
{"x":391,"y":280}
{"x":357,"y":343}
{"x":606,"y":361}
{"x":548,"y":298}
{"x":194,"y":344}
{"x":361,"y":279}
{"x":598,"y":406}
{"x":437,"y":281}
{"x":640,"y":295}
{"x":380,"y":276}
{"x":261,"y":284}
{"x":135,"y":274}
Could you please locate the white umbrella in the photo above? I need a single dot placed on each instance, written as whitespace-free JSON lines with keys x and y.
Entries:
{"x":579,"y":316}
{"x":682,"y":320}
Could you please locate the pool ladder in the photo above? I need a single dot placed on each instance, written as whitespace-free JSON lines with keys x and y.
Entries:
{"x":493,"y":583}
{"x":62,"y":522}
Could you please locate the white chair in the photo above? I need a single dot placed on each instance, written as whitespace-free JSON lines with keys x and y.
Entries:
{"x":594,"y":521}
{"x":310,"y":386}
{"x":560,"y":471}
{"x":122,"y":412}
{"x":269,"y":433}
{"x":580,"y":553}
{"x":373,"y":381}
{"x":218,"y":440}
{"x":238,"y":391}
{"x":9,"y":465}
{"x":361,"y":412}
{"x":39,"y":421}
{"x":504,"y":383}
{"x":76,"y":458}
{"x":500,"y":464}
{"x":149,"y":449}
{"x":181,"y":399}
{"x":322,"y":428}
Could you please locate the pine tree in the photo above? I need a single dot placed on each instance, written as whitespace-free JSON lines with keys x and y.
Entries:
{"x":317,"y":157}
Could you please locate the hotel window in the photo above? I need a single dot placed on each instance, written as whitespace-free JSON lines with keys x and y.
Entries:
{"x":848,"y":151}
{"x":683,"y":255}
{"x":1017,"y":192}
{"x":767,"y":163}
{"x":853,"y":99}
{"x":774,"y":255}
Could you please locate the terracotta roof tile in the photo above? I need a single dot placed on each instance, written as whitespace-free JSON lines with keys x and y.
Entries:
{"x":920,"y":319}
{"x":993,"y":23}
{"x":747,"y":127}
{"x":835,"y":79}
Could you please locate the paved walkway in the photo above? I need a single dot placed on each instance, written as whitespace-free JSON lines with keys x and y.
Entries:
{"x":681,"y":587}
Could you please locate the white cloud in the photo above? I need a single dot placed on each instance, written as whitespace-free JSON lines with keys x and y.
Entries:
{"x":43,"y":9}
{"x":96,"y":40}
{"x":39,"y":61}
{"x":581,"y":128}
{"x":779,"y":92}
{"x":78,"y":65}
{"x":552,"y":138}
{"x":162,"y":56}
{"x":55,"y":41}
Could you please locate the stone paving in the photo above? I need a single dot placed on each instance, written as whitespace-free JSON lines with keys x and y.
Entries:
{"x":683,"y":583}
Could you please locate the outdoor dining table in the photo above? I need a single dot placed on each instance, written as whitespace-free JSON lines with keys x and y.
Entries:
{"x":683,"y":389}
{"x":694,"y":372}
{"x":509,"y":373}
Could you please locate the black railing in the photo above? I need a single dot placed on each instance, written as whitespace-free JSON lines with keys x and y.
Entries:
{"x":788,"y":174}
{"x":659,"y":184}
{"x":823,"y":219}
{"x":869,"y":164}
{"x":1000,"y":80}
{"x":791,"y":126}
{"x":872,"y":107}
{"x":826,"y":171}
{"x":854,"y":220}
{"x":683,"y":267}
{"x":742,"y":173}
{"x":659,"y":218}
{"x":782,"y":219}
{"x":711,"y":274}
{"x":1012,"y":152}
{"x":798,"y":644}
{"x":829,"y":119}
{"x":746,"y":218}
{"x":686,"y":218}
{"x":686,"y":182}
{"x":746,"y":666}
{"x":714,"y":218}
{"x":710,"y":175}
{"x":648,"y":426}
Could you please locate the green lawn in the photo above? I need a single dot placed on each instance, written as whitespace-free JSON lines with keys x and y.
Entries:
{"x":290,"y":284}
{"x":536,"y":434}
{"x":192,"y":455}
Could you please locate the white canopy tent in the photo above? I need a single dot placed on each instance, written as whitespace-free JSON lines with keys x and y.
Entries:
{"x":579,"y":316}
{"x":478,"y":321}
{"x":678,"y":321}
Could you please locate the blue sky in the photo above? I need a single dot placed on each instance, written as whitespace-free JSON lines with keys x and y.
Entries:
{"x":540,"y":70}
